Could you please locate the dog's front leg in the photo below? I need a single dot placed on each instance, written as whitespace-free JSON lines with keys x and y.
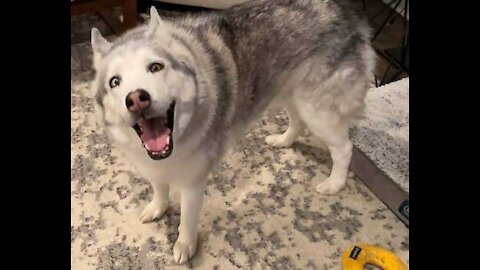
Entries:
{"x":191,"y":199}
{"x":159,"y":203}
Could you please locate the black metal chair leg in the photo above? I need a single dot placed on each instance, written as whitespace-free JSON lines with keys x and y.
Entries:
{"x":392,"y":12}
{"x":382,"y":10}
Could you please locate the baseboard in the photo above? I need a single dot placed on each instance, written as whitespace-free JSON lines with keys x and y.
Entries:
{"x":381,"y":185}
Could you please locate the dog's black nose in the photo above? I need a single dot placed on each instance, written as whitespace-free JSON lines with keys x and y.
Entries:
{"x":137,"y":100}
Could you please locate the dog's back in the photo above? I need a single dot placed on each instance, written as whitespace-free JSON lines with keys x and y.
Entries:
{"x":264,"y":42}
{"x":273,"y":37}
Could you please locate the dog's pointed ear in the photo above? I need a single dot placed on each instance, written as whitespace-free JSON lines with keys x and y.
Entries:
{"x":99,"y":43}
{"x":100,"y":46}
{"x":155,"y":22}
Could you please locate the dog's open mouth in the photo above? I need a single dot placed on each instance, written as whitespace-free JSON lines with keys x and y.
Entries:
{"x":156,"y":134}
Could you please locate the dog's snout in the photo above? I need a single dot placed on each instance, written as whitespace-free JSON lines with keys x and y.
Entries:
{"x":138,"y":100}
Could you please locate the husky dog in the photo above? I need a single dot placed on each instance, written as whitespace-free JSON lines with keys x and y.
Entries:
{"x":174,"y":94}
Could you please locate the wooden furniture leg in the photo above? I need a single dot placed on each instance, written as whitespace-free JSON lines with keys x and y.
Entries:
{"x":104,"y":8}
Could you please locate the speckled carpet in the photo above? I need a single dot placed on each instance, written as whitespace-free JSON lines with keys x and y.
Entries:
{"x":261,"y":210}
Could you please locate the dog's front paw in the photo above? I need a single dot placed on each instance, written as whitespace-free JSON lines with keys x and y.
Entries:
{"x":278,"y":140}
{"x":183,"y":251}
{"x":329,"y":186}
{"x":153,"y":211}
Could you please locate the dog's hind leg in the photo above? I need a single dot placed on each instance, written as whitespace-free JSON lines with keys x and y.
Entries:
{"x":328,"y":103}
{"x":295,"y":128}
{"x":334,"y":133}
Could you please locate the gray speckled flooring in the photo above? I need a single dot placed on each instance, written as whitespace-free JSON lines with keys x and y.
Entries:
{"x":261,"y":210}
{"x":383,"y":134}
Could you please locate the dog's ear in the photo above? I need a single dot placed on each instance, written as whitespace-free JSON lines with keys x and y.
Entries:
{"x":155,"y":22}
{"x":100,"y":45}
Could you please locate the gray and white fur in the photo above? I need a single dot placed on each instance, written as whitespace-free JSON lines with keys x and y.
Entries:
{"x":223,"y":69}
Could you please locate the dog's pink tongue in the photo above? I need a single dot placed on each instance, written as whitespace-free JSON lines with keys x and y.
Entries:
{"x":155,"y":135}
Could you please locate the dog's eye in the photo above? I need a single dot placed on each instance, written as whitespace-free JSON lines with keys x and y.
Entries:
{"x":114,"y":82}
{"x":155,"y":67}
